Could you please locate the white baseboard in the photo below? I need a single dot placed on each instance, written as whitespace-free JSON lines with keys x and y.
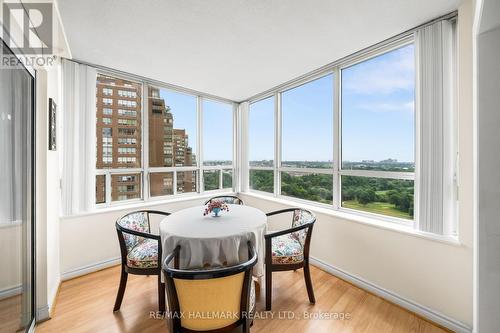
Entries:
{"x":12,"y":291}
{"x":42,"y":313}
{"x":89,"y":268}
{"x":419,"y":309}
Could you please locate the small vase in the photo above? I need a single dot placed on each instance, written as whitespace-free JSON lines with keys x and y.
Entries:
{"x":216,"y":212}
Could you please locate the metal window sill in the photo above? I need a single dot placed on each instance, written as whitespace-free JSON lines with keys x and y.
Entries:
{"x":359,"y":218}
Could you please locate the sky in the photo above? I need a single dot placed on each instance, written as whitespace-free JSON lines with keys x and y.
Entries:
{"x":217,"y":123}
{"x":378,"y":118}
{"x":377,"y":114}
{"x":217,"y":131}
{"x":183,"y":108}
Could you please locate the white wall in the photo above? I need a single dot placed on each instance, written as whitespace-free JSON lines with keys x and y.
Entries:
{"x":53,"y":190}
{"x":48,"y":193}
{"x":488,"y":163}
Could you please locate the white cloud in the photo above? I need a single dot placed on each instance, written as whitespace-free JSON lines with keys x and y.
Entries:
{"x":388,"y":107}
{"x":382,"y":75}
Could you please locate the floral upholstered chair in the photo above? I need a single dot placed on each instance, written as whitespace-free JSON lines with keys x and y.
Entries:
{"x":140,"y":251}
{"x":289,"y":249}
{"x":228,"y":199}
{"x":220,"y":290}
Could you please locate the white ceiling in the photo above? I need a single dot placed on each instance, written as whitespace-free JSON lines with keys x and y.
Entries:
{"x":233,"y":48}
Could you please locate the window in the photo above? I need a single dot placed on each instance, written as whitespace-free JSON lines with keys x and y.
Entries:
{"x":112,"y":157}
{"x":261,"y":144}
{"x":217,"y":133}
{"x":127,"y":141}
{"x":353,"y":150}
{"x":307,"y":125}
{"x":126,"y":187}
{"x":390,"y":197}
{"x":100,"y":189}
{"x":127,"y":113}
{"x":217,"y":144}
{"x":127,"y":93}
{"x":131,"y":122}
{"x":211,"y":179}
{"x":127,"y":103}
{"x":173,"y":129}
{"x":307,"y":141}
{"x":227,"y":179}
{"x":261,"y":133}
{"x":107,"y":91}
{"x":187,"y":182}
{"x":378,"y":134}
{"x":126,"y":150}
{"x":261,"y":180}
{"x":161,"y":184}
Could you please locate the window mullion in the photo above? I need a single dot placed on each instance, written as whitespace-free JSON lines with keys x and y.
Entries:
{"x":337,"y":136}
{"x":145,"y":142}
{"x":108,"y":187}
{"x":200,"y":144}
{"x":277,"y":144}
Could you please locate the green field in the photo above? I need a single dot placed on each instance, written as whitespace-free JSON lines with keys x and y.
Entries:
{"x":377,"y":208}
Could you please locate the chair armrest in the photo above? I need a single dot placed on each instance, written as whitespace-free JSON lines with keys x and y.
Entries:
{"x":281,"y":211}
{"x":287,"y":231}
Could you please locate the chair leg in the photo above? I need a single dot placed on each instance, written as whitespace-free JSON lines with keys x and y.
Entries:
{"x":121,"y":290}
{"x":245,"y":328}
{"x":309,"y":286}
{"x":161,"y":295}
{"x":269,"y":288}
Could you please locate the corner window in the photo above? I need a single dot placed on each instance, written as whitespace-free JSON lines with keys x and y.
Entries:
{"x":218,"y":132}
{"x":169,"y":142}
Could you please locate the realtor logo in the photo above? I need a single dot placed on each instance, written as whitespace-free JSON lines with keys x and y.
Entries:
{"x":28,"y":27}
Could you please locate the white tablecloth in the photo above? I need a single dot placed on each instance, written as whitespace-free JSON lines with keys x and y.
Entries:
{"x":214,"y":240}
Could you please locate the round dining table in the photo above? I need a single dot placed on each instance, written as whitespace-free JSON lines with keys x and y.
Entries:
{"x":214,"y":241}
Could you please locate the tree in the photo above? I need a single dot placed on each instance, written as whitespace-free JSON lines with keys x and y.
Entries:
{"x":366,"y":196}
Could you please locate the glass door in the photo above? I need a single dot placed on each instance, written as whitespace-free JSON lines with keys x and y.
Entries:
{"x":17,"y":236}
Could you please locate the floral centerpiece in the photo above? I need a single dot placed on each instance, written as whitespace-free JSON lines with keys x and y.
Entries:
{"x":215,"y":207}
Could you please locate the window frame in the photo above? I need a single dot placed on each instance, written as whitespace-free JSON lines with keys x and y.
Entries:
{"x":336,"y":171}
{"x":145,"y":171}
{"x":219,"y":168}
{"x":273,"y":168}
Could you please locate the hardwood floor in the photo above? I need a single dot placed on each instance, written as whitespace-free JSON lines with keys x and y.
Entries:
{"x":85,"y":304}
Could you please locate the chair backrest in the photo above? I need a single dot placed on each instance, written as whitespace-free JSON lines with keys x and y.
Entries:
{"x":218,"y":298}
{"x":301,"y":217}
{"x":137,"y":221}
{"x":228,"y":199}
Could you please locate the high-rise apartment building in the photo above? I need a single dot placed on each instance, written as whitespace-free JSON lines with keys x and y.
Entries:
{"x":168,"y":147}
{"x":119,"y":135}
